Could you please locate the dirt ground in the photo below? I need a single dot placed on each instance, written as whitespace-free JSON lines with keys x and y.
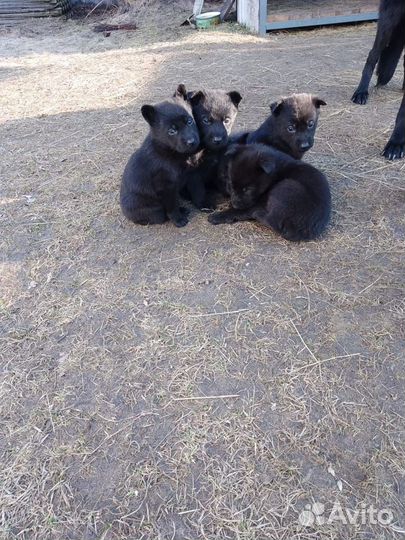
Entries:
{"x":118,"y":341}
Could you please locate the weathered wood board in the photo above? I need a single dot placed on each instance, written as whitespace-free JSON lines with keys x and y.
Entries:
{"x":15,"y":10}
{"x":261,"y":15}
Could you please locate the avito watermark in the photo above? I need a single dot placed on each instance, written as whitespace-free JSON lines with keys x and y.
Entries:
{"x":315,"y":514}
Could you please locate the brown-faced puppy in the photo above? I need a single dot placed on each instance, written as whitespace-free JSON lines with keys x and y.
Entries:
{"x":290,"y":127}
{"x":214,"y":112}
{"x":152,"y":178}
{"x":288,"y":195}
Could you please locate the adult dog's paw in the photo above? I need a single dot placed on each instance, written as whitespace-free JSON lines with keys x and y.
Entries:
{"x":394,"y":150}
{"x":360,"y":98}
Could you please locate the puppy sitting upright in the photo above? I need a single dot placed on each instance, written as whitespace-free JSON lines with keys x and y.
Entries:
{"x":214,"y":112}
{"x":290,"y":127}
{"x":152,"y":178}
{"x":288,"y":195}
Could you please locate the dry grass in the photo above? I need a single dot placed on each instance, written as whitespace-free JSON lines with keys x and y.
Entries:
{"x":118,"y":341}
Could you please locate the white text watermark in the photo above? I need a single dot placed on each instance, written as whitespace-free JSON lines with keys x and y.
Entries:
{"x":316,"y":515}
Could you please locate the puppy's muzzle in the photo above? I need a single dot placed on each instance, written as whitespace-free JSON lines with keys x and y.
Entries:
{"x":304,"y":146}
{"x":191,"y":142}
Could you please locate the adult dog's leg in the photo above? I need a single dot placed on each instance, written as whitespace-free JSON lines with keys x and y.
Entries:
{"x":395,"y":148}
{"x":384,"y":31}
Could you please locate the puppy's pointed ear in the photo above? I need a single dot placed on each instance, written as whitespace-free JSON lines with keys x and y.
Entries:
{"x":267,"y":165}
{"x":318,"y":102}
{"x":236,"y":98}
{"x":233,"y":150}
{"x":276,"y":107}
{"x":149,"y":113}
{"x":195,"y":97}
{"x":181,"y":92}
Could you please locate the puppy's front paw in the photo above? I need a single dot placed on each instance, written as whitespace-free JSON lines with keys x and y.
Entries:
{"x":394,"y":150}
{"x":219,"y":217}
{"x":184,"y":211}
{"x":179,"y":220}
{"x":360,"y":98}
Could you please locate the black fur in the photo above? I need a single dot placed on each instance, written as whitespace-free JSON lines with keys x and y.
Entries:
{"x":395,"y":147}
{"x":290,"y":127}
{"x":288,"y":195}
{"x":388,"y":44}
{"x":214,"y":112}
{"x":390,"y":56}
{"x":152,"y":178}
{"x":387,"y":48}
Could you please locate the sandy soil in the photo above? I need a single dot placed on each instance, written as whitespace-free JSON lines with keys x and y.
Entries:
{"x":117,"y":340}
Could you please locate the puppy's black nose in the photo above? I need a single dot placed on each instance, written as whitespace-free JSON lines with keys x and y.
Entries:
{"x":305,"y":146}
{"x":217,"y":140}
{"x":191,"y":142}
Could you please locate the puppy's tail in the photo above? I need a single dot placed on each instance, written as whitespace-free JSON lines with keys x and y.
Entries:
{"x":390,"y":56}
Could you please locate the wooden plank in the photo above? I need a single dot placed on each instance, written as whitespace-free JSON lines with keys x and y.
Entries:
{"x":226,"y":8}
{"x":5,"y":19}
{"x":22,"y":11}
{"x":297,"y":9}
{"x":262,"y":16}
{"x":198,"y":5}
{"x":19,"y":4}
{"x":248,"y":14}
{"x":301,"y":23}
{"x":25,"y":4}
{"x":55,"y":12}
{"x":28,"y":13}
{"x":33,"y":9}
{"x":17,"y":10}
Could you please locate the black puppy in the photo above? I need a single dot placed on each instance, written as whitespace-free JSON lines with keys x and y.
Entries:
{"x":387,"y":49}
{"x":214,"y":112}
{"x":288,"y":195}
{"x":152,"y":178}
{"x":290,"y":127}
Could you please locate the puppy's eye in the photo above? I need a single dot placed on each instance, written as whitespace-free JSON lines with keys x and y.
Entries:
{"x":206,"y":120}
{"x":311,"y":124}
{"x":172,"y":130}
{"x":227,"y":120}
{"x":291,"y":128}
{"x":190,"y":121}
{"x":245,"y":189}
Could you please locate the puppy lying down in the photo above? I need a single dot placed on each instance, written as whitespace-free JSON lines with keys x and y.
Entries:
{"x":269,"y":186}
